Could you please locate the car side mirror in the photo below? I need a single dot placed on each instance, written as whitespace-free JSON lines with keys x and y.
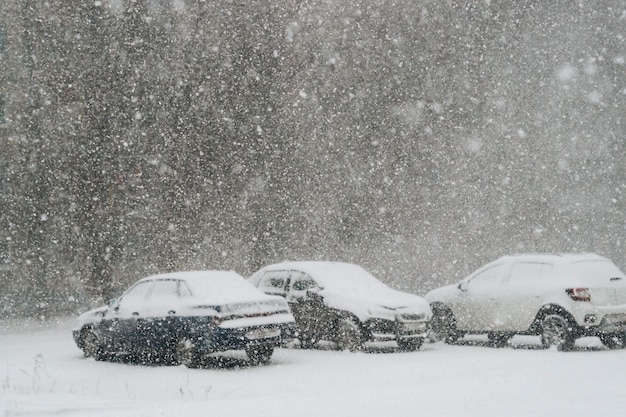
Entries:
{"x":113,"y":303}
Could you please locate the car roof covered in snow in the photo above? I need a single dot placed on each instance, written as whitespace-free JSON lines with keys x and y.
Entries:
{"x":564,"y":258}
{"x":328,"y":273}
{"x":346,"y":279}
{"x":215,"y":286}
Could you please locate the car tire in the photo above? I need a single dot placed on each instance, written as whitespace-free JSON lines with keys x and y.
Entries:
{"x":614,"y":341}
{"x":443,"y":325}
{"x":557,"y":331}
{"x":306,"y":341}
{"x":187,"y":354}
{"x":259,"y":354}
{"x":409,"y":345}
{"x":349,"y":335}
{"x":498,"y":340}
{"x":91,"y":344}
{"x":92,"y":347}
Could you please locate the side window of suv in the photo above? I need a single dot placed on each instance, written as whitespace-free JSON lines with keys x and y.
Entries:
{"x":525,"y":274}
{"x":488,"y":279}
{"x":274,"y":282}
{"x":300,"y":284}
{"x":303,"y":283}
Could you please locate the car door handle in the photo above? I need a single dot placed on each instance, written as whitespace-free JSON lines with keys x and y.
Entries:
{"x":135,"y":314}
{"x":171,"y":312}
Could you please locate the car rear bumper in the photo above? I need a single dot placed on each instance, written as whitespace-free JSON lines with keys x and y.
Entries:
{"x":608,"y":324}
{"x":595,"y":320}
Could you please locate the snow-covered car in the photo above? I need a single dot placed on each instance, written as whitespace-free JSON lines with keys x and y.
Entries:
{"x":345,"y":304}
{"x":181,"y":317}
{"x":559,"y":297}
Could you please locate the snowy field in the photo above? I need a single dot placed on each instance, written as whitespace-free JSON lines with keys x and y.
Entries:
{"x":42,"y":373}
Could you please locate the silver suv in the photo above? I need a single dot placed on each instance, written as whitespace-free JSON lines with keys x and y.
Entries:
{"x":343,"y":303}
{"x":559,"y":297}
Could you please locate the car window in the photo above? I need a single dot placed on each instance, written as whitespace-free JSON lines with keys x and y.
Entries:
{"x":274,"y":282}
{"x":134,"y":298}
{"x":301,"y":281}
{"x":488,"y":278}
{"x":303,"y":285}
{"x":136,"y":293}
{"x":529,"y":273}
{"x":183,"y":289}
{"x":164,"y":289}
{"x":593,"y":272}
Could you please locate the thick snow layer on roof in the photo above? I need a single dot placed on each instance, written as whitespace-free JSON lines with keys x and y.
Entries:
{"x":216,"y":287}
{"x":351,"y":281}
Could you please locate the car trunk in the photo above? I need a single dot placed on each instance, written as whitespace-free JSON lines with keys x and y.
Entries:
{"x":252,"y":309}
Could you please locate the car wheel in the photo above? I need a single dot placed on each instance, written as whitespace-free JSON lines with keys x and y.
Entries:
{"x":91,"y":344}
{"x":93,"y":348}
{"x":409,"y":345}
{"x":443,"y":325}
{"x":614,"y":341}
{"x":498,"y":340}
{"x":187,"y":354}
{"x":557,"y":331}
{"x":306,"y":341}
{"x":259,"y":354}
{"x":349,"y":336}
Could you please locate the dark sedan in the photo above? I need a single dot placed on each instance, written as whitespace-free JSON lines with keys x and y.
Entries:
{"x":182,"y":317}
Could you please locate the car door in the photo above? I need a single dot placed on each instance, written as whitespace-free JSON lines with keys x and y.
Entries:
{"x":523,"y":294}
{"x":307,"y":306}
{"x":156,"y":314}
{"x":475,"y":306}
{"x":120,"y":323}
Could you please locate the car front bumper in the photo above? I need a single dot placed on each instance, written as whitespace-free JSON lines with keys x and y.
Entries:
{"x":380,"y":330}
{"x":220,"y":339}
{"x":77,"y":338}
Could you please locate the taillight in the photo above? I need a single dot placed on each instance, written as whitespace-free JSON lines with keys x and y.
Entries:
{"x":579,"y":294}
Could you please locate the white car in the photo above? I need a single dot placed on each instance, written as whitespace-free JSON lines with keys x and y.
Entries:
{"x":181,"y":317}
{"x":559,"y":297}
{"x":343,"y":303}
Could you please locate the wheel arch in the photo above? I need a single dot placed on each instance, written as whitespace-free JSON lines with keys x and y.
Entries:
{"x":341,"y":315}
{"x":549,"y":309}
{"x":82,"y":333}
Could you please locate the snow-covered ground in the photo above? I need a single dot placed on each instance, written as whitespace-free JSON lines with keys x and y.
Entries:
{"x":43,"y":373}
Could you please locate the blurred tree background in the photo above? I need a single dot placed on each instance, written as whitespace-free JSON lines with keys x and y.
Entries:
{"x":418,"y":138}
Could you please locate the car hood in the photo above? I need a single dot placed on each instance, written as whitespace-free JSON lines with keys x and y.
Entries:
{"x":384,"y":305}
{"x":441,"y":294}
{"x":91,"y":316}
